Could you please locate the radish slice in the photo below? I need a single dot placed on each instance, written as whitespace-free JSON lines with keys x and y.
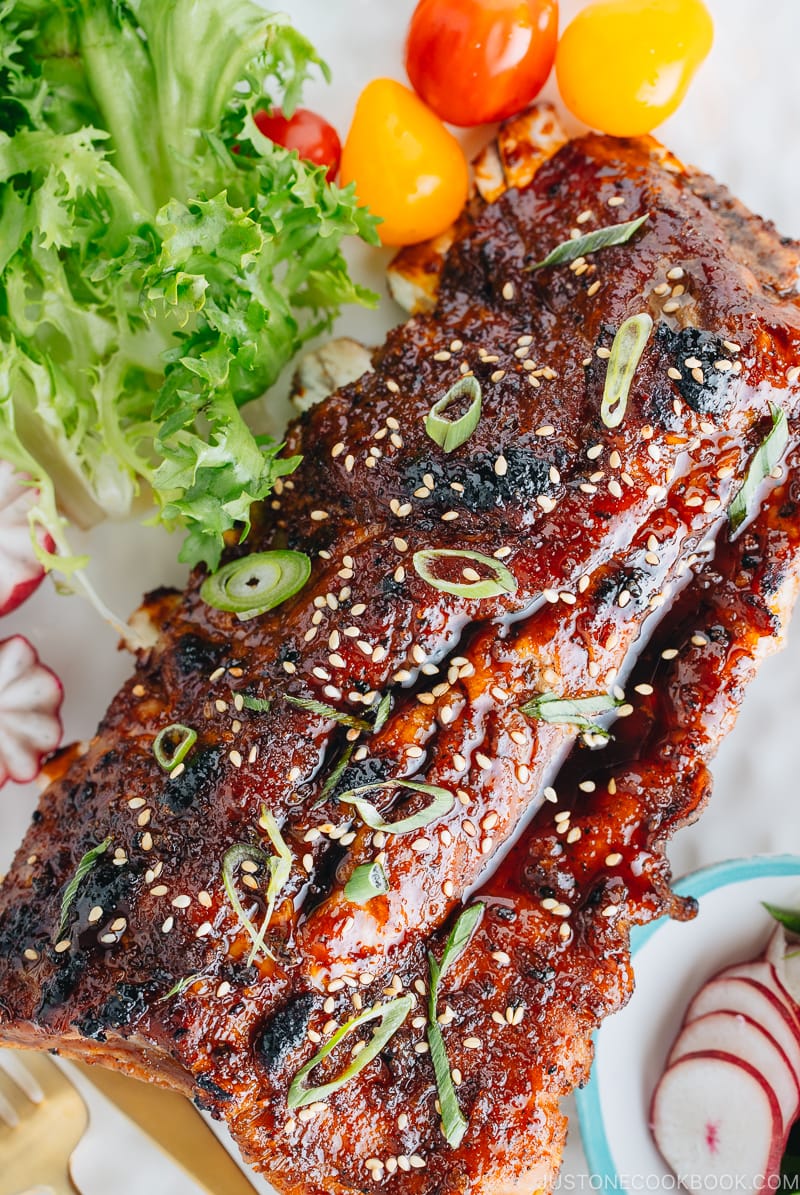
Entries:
{"x":741,"y":1037}
{"x":714,"y":1117}
{"x":30,"y":700}
{"x":764,"y":972}
{"x":784,"y":954}
{"x":753,"y":1000}
{"x":20,"y":571}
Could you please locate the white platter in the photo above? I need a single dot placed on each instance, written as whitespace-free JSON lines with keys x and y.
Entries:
{"x":741,"y":122}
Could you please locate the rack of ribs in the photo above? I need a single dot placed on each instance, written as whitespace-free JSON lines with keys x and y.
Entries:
{"x":628,"y":578}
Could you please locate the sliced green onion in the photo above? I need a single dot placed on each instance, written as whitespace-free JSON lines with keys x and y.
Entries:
{"x":87,"y":862}
{"x":335,"y":776}
{"x":788,"y":918}
{"x":601,"y":238}
{"x":454,"y":1124}
{"x":312,"y":706}
{"x":626,"y":353}
{"x":452,"y":433}
{"x":367,"y":881}
{"x":280,"y":868}
{"x":242,"y":852}
{"x":502,"y":580}
{"x":391,"y":1016}
{"x":565,"y":711}
{"x":256,"y":583}
{"x":180,"y":986}
{"x":443,"y":801}
{"x":382,"y":713}
{"x":766,"y":458}
{"x":179,"y":740}
{"x":259,"y":705}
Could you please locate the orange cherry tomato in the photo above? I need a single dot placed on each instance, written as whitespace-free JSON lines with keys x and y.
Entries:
{"x":314,"y":139}
{"x":476,"y":61}
{"x":406,"y":167}
{"x":624,"y":66}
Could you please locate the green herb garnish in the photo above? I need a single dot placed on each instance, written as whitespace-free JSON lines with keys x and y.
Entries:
{"x":234,"y":857}
{"x":173,"y":744}
{"x":367,"y":881}
{"x":788,"y":918}
{"x":626,"y":353}
{"x":443,"y":801}
{"x":312,"y":706}
{"x":180,"y":986}
{"x":450,"y":434}
{"x":391,"y":1016}
{"x":256,"y":583}
{"x":766,"y":458}
{"x":454,"y":1124}
{"x":592,"y":242}
{"x":85,"y":865}
{"x":565,"y":711}
{"x":259,"y":705}
{"x":279,"y":868}
{"x":501,"y":581}
{"x":382,"y":713}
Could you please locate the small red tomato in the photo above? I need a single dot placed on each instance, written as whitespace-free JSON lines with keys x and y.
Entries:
{"x":314,"y":139}
{"x":476,"y":61}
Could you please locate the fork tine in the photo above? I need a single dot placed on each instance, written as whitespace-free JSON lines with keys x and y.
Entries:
{"x":13,"y":1095}
{"x":50,"y":1078}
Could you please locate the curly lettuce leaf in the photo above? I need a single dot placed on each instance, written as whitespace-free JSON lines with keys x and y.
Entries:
{"x":152,"y":281}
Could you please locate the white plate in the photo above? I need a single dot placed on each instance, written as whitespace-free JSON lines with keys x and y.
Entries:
{"x":741,"y":123}
{"x":672,"y":961}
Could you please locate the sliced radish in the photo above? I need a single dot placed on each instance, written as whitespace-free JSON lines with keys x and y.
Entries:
{"x":714,"y":1117}
{"x":740,"y":1036}
{"x":752,"y":1000}
{"x":20,"y":571}
{"x":784,"y":954}
{"x":30,"y":700}
{"x":764,"y":972}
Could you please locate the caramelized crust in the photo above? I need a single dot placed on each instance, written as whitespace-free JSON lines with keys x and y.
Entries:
{"x":618,"y":543}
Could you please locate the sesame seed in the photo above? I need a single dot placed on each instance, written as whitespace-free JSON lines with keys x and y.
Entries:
{"x":501,"y":466}
{"x":593,"y":289}
{"x":616,"y":201}
{"x":168,"y":925}
{"x":613,"y":859}
{"x":444,"y":355}
{"x":508,"y":291}
{"x":180,"y":902}
{"x":472,"y":1043}
{"x":793,"y":374}
{"x":668,"y":308}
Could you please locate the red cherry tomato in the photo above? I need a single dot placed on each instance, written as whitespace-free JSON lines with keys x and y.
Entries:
{"x":475,"y":61}
{"x":314,"y":139}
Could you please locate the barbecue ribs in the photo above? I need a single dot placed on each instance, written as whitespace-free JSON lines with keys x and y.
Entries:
{"x":627,"y":577}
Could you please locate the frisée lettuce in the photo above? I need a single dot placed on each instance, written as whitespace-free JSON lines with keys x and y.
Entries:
{"x":160,"y":260}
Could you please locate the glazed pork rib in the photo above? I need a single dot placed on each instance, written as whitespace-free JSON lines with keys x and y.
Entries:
{"x":150,"y":968}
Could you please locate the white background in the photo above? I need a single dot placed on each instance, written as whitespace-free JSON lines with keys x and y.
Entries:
{"x":740,"y":122}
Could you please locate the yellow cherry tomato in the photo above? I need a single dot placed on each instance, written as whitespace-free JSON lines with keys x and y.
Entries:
{"x":623,"y":66}
{"x":407,"y":167}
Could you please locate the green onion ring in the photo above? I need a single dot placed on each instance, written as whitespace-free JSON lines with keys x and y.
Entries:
{"x":503,"y":581}
{"x":443,"y":801}
{"x":626,"y":353}
{"x":367,"y":881}
{"x":391,"y":1015}
{"x":184,"y":738}
{"x":451,"y":434}
{"x":256,"y":583}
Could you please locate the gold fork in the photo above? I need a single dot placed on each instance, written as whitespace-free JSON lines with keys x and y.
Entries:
{"x":44,"y":1121}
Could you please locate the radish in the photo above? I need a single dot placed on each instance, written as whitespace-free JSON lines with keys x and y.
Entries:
{"x":763,"y":971}
{"x":30,"y":700}
{"x":784,"y":955}
{"x":714,"y":1117}
{"x":750,"y":999}
{"x":740,"y":1036}
{"x":20,"y":571}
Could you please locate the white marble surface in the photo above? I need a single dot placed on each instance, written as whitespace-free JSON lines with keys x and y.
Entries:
{"x":741,"y":122}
